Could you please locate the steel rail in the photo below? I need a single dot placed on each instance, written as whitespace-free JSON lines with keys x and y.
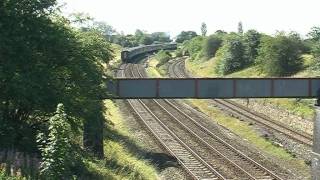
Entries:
{"x":196,"y":165}
{"x":262,"y":169}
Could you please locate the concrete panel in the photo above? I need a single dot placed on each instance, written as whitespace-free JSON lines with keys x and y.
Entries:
{"x":137,"y":88}
{"x":215,"y":88}
{"x":291,"y":88}
{"x":253,"y":87}
{"x":176,"y":88}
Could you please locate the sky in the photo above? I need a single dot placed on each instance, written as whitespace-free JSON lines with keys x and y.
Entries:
{"x":174,"y":16}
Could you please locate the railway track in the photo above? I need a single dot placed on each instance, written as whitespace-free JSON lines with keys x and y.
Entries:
{"x":196,"y":166}
{"x":177,"y":70}
{"x":192,"y":144}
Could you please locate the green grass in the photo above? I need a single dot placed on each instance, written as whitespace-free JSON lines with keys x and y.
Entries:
{"x":115,"y":62}
{"x":154,"y":71}
{"x":4,"y":176}
{"x":245,"y":131}
{"x":202,"y":68}
{"x":252,"y":72}
{"x":308,"y":62}
{"x":303,"y":107}
{"x":121,"y":159}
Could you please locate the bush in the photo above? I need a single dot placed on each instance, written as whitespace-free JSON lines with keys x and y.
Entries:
{"x":185,"y":36}
{"x":163,"y":57}
{"x":231,"y":56}
{"x":211,"y":46}
{"x":280,"y":55}
{"x":179,"y":53}
{"x":252,"y":40}
{"x":193,"y":47}
{"x":56,"y":150}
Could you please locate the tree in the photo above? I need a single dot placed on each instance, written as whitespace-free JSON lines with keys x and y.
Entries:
{"x":220,"y":32}
{"x":105,"y":29}
{"x":160,"y":37}
{"x":185,"y":35}
{"x":231,"y":56}
{"x":211,"y":45}
{"x":314,"y":41}
{"x":203,"y":29}
{"x":146,"y":40}
{"x":240,"y":28}
{"x":280,"y":55}
{"x":314,"y":34}
{"x":252,"y":40}
{"x":193,"y":47}
{"x":44,"y":61}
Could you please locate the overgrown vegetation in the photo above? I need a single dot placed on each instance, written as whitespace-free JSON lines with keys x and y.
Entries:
{"x":280,"y":55}
{"x":140,"y":37}
{"x":56,"y":147}
{"x":185,"y":36}
{"x":163,"y":57}
{"x":46,"y":61}
{"x":261,"y":55}
{"x":231,"y":56}
{"x":211,"y":45}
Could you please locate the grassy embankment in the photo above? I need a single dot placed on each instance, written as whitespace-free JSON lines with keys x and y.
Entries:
{"x":153,"y":70}
{"x":122,"y":158}
{"x":241,"y":128}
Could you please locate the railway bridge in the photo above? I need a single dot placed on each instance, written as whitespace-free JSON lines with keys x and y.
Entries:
{"x":222,"y":88}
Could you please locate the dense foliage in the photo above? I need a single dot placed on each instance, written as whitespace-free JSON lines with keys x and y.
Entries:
{"x":185,"y":35}
{"x":193,"y":47}
{"x":211,"y":45}
{"x":231,"y":56}
{"x":252,"y":40}
{"x":280,"y":55}
{"x":163,"y":57}
{"x":56,"y":149}
{"x":44,"y":62}
{"x":140,"y":38}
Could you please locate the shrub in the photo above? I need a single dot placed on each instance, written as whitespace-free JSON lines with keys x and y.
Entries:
{"x":211,"y":46}
{"x":55,"y":147}
{"x":179,"y":53}
{"x":163,"y":57}
{"x":193,"y":47}
{"x":252,"y":40}
{"x":280,"y":55}
{"x":231,"y":56}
